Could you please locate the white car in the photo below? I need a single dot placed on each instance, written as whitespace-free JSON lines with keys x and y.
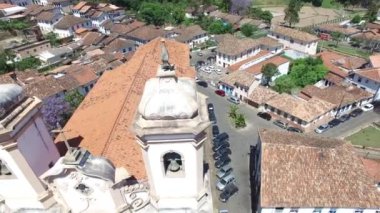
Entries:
{"x":221,"y":184}
{"x":233,"y":99}
{"x":367,"y":107}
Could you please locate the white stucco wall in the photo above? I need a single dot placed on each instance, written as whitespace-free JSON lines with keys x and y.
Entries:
{"x":198,"y":40}
{"x":167,"y":187}
{"x":365,"y":83}
{"x":35,"y":142}
{"x":45,"y":27}
{"x":226,"y":61}
{"x":309,"y":48}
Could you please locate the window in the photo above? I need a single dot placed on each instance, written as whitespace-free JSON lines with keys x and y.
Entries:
{"x":291,"y":41}
{"x":366,"y":81}
{"x":173,"y":164}
{"x":5,"y":172}
{"x":317,"y":210}
{"x":293,"y":210}
{"x":332,"y":210}
{"x":279,"y":210}
{"x":359,"y":211}
{"x":359,"y":79}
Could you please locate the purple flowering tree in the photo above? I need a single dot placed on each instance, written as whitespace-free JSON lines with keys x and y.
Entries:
{"x":55,"y":109}
{"x":240,"y":6}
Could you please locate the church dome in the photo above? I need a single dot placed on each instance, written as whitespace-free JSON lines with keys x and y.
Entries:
{"x":10,"y":95}
{"x":169,"y":98}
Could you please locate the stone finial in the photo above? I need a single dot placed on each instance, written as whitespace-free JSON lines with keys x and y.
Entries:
{"x":166,"y":66}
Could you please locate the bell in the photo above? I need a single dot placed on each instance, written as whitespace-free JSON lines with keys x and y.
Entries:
{"x":174,"y":166}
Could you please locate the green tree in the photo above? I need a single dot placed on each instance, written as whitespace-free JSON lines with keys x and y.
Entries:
{"x":13,"y":25}
{"x":316,"y":3}
{"x":266,"y":16}
{"x":74,"y":98}
{"x":233,"y":111}
{"x":355,"y":42}
{"x":219,"y":27}
{"x":356,"y":19}
{"x":284,"y":84}
{"x":225,"y":5}
{"x":372,"y":11}
{"x":291,"y":12}
{"x":337,"y":37}
{"x":53,"y":39}
{"x":28,"y":63}
{"x":248,"y":29}
{"x":153,"y":13}
{"x":240,"y":121}
{"x":268,"y":70}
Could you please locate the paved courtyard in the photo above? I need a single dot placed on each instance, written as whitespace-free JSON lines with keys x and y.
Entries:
{"x":241,"y":140}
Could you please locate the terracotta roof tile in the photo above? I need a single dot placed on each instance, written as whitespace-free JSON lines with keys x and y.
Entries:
{"x":45,"y":16}
{"x":261,"y":95}
{"x":117,"y":44}
{"x":301,"y":170}
{"x":373,"y":168}
{"x":276,"y":60}
{"x":79,"y":5}
{"x":307,"y":110}
{"x":375,"y":60}
{"x":189,"y":33}
{"x":337,"y":94}
{"x":239,"y":77}
{"x":69,"y":21}
{"x":368,"y":35}
{"x":337,"y":28}
{"x":295,"y":34}
{"x":370,"y":73}
{"x":92,"y":38}
{"x":121,"y":28}
{"x":146,"y":33}
{"x":230,"y":45}
{"x":104,"y":119}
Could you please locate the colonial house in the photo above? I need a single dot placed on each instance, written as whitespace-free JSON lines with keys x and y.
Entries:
{"x":7,"y":10}
{"x":105,"y":27}
{"x":55,"y":55}
{"x":254,"y":64}
{"x":68,"y":24}
{"x":346,"y":31}
{"x":367,"y":79}
{"x":295,"y":39}
{"x":61,"y":3}
{"x":294,"y":172}
{"x":227,"y":18}
{"x":191,"y":35}
{"x":98,"y":12}
{"x":232,"y":50}
{"x":97,"y":18}
{"x":121,"y":29}
{"x":340,"y":66}
{"x":259,"y":96}
{"x":47,"y":20}
{"x":144,"y":34}
{"x":238,"y":84}
{"x":345,"y":98}
{"x":121,"y":45}
{"x":33,"y":49}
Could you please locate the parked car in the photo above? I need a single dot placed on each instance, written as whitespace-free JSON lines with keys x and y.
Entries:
{"x":202,"y":84}
{"x":220,"y":92}
{"x":224,"y":171}
{"x":280,"y":124}
{"x":233,"y":99}
{"x":212,"y":117}
{"x":222,"y":161}
{"x":222,"y":183}
{"x":322,"y":128}
{"x":215,"y":130}
{"x":200,"y":54}
{"x":294,"y":129}
{"x":210,"y":107}
{"x":334,"y":122}
{"x":221,"y":137}
{"x":356,"y":112}
{"x":367,"y":107}
{"x":228,"y":192}
{"x":220,"y":146}
{"x":220,"y":153}
{"x":344,"y":118}
{"x":264,"y":115}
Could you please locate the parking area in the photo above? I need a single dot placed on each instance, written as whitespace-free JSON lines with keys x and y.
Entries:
{"x":240,"y":141}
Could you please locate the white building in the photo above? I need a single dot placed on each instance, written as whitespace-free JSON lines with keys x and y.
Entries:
{"x":68,"y":24}
{"x":98,"y":18}
{"x":192,"y":35}
{"x":295,"y":39}
{"x":26,"y":152}
{"x":55,"y":55}
{"x":232,"y":50}
{"x":367,"y":79}
{"x":302,"y":173}
{"x":174,"y":156}
{"x":21,"y":3}
{"x":47,"y":20}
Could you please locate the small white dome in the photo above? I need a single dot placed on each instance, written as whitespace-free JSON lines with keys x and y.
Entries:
{"x":168,"y":98}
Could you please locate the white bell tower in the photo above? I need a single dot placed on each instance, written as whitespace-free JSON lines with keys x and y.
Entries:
{"x":171,"y":128}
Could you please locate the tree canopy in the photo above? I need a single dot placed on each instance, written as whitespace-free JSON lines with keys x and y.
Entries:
{"x":268,"y":70}
{"x":372,"y":11}
{"x":28,"y":63}
{"x":337,"y":37}
{"x":303,"y":72}
{"x":53,"y":39}
{"x":292,"y":12}
{"x":356,"y":19}
{"x":258,"y":13}
{"x":248,"y":29}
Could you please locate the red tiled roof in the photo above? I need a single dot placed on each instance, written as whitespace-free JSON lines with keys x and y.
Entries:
{"x":276,"y":60}
{"x":370,"y":73}
{"x":104,"y":119}
{"x":375,"y":60}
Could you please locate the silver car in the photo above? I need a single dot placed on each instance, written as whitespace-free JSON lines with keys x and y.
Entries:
{"x":224,"y":171}
{"x":222,"y":183}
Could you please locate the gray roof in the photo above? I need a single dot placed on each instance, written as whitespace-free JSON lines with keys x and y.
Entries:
{"x":68,"y":21}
